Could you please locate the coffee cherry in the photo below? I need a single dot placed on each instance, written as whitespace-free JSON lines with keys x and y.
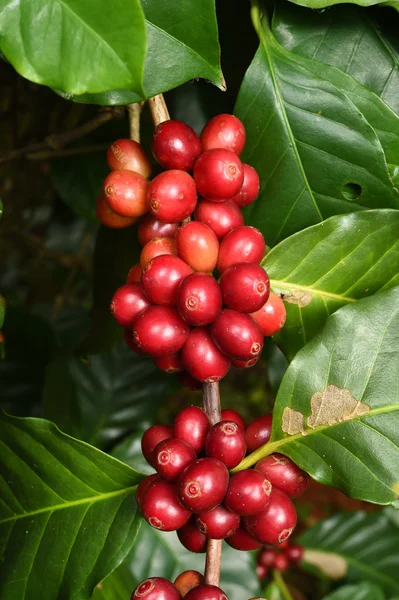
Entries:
{"x":224,"y":131}
{"x":244,"y":364}
{"x":143,"y":487}
{"x":188,"y":580}
{"x":206,"y":592}
{"x":247,"y":493}
{"x":134,"y":275}
{"x":151,"y":438}
{"x":203,"y":484}
{"x":161,"y":507}
{"x":156,"y":588}
{"x":274,"y":524}
{"x":261,"y":573}
{"x":129,"y":341}
{"x":159,"y":330}
{"x":198,"y":246}
{"x":161,"y":278}
{"x":110,"y":218}
{"x":192,"y":426}
{"x":250,"y":187}
{"x":189,"y":382}
{"x":231,"y":415}
{"x":172,"y":196}
{"x":175,"y":145}
{"x":258,"y":433}
{"x":245,"y":287}
{"x":150,"y":228}
{"x":221,"y":217}
{"x":266,"y":557}
{"x":192,"y":538}
{"x":218,"y":523}
{"x":271,"y":317}
{"x":226,"y":441}
{"x":218,"y":174}
{"x":171,"y":363}
{"x":171,"y":457}
{"x":127,"y":154}
{"x":202,"y":358}
{"x":237,"y":335}
{"x":281,"y":562}
{"x":126,"y":193}
{"x":242,"y":245}
{"x":284,"y":544}
{"x":283,"y":474}
{"x":157,"y":247}
{"x":294,"y":553}
{"x":199,"y":299}
{"x":128,"y":302}
{"x":242,"y":540}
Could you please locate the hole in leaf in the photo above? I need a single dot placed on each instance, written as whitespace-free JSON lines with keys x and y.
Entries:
{"x":351,"y":191}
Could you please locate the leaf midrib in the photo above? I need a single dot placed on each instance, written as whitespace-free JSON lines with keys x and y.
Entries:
{"x":314,"y":291}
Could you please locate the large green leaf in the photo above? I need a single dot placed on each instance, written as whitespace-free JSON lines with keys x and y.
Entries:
{"x":74,"y":45}
{"x":67,"y":512}
{"x":361,"y":591}
{"x":316,"y":154}
{"x":337,"y":410}
{"x":359,"y":546}
{"x":331,"y":264}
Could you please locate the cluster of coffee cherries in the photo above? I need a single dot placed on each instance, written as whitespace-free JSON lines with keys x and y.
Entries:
{"x":190,"y":585}
{"x":277,"y":557}
{"x":194,"y":493}
{"x":172,"y":307}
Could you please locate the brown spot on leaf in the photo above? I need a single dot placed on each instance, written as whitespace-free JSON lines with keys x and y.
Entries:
{"x":334,"y":405}
{"x":332,"y":565}
{"x":297,"y":297}
{"x":293,"y":422}
{"x":395,"y":487}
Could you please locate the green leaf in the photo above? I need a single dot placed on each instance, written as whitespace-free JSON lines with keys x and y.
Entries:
{"x":316,"y":154}
{"x":68,"y":506}
{"x":329,"y":265}
{"x":361,"y":591}
{"x":323,"y":3}
{"x":363,"y":545}
{"x":73,"y":46}
{"x":337,"y":410}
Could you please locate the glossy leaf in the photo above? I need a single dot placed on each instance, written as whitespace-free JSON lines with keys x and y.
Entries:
{"x":75,"y":47}
{"x":329,"y":265}
{"x":363,"y":544}
{"x":361,"y":591}
{"x":337,"y":410}
{"x":67,"y":505}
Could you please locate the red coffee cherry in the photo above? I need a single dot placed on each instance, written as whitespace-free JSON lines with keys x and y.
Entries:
{"x":171,"y":363}
{"x":218,"y":174}
{"x":242,"y":245}
{"x":192,"y":538}
{"x":283,"y":474}
{"x":157,"y":247}
{"x":134,"y":275}
{"x":237,"y":335}
{"x":203,"y":484}
{"x":110,"y":218}
{"x":250,"y":188}
{"x":189,"y":382}
{"x":274,"y":524}
{"x":161,"y":507}
{"x":151,"y":438}
{"x":261,"y":573}
{"x":188,"y":580}
{"x":258,"y":433}
{"x":129,"y":341}
{"x":150,"y":228}
{"x":206,"y":592}
{"x":271,"y":317}
{"x":199,"y":299}
{"x":172,"y":196}
{"x":128,"y":302}
{"x":281,"y":562}
{"x":156,"y":588}
{"x":159,"y":330}
{"x":224,"y":131}
{"x":245,"y":287}
{"x":171,"y":457}
{"x":244,"y":364}
{"x":231,"y":415}
{"x":226,"y":442}
{"x":218,"y":523}
{"x":202,"y":358}
{"x":198,"y":246}
{"x":242,"y":540}
{"x":143,"y":487}
{"x":127,"y":154}
{"x":221,"y":217}
{"x":126,"y":193}
{"x":266,"y":557}
{"x":247,"y":493}
{"x":161,"y":278}
{"x":192,"y":426}
{"x":294,"y":553}
{"x":175,"y":145}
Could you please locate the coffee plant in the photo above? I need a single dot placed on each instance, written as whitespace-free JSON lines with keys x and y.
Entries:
{"x":199,"y":326}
